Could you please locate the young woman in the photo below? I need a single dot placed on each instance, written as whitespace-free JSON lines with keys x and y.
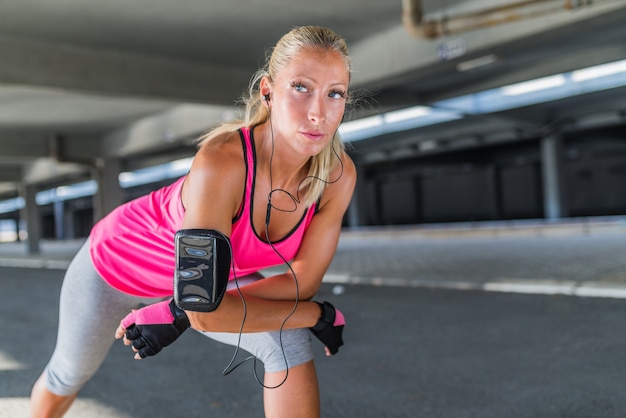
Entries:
{"x":270,"y":188}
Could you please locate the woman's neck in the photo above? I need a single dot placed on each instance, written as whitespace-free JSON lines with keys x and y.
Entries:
{"x":286,"y":169}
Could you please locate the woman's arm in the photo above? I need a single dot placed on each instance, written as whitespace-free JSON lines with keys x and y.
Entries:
{"x":269,"y":301}
{"x":317,"y":249}
{"x":266,"y":305}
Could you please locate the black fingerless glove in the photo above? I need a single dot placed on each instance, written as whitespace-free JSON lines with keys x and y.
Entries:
{"x":329,"y":327}
{"x":155,"y":326}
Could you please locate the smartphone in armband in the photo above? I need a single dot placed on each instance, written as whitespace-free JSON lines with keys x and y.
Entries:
{"x":203,"y":259}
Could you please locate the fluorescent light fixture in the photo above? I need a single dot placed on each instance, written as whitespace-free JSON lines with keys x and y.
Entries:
{"x":63,"y":191}
{"x":361,"y":124}
{"x":155,"y":173}
{"x":598,"y":71}
{"x":427,"y":145}
{"x":11,"y":205}
{"x":73,"y":191}
{"x":126,"y":177}
{"x":476,"y":62}
{"x":184,"y":164}
{"x":406,"y":114}
{"x":538,"y":84}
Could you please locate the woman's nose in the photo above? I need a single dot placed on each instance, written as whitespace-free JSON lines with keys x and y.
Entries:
{"x":317,"y":109}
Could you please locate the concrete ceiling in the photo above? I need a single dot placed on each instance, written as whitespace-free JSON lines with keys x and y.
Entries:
{"x":85,"y":80}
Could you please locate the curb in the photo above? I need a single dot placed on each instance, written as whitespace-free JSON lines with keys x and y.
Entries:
{"x":36,"y":263}
{"x":526,"y":286}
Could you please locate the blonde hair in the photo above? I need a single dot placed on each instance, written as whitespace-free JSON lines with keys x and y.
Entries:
{"x":292,"y":43}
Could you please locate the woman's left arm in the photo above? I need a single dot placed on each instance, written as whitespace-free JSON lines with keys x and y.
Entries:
{"x":318,"y":245}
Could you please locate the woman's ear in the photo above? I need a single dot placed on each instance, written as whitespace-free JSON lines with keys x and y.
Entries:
{"x":265,"y":90}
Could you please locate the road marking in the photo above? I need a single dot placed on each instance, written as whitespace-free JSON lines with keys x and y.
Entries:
{"x":532,"y":286}
{"x":8,"y":363}
{"x":34,"y":263}
{"x":524,"y":286}
{"x":19,"y":407}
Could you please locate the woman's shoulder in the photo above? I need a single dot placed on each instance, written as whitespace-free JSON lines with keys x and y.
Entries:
{"x":221,"y":159}
{"x":224,"y":140}
{"x":341,"y":186}
{"x":345,"y":172}
{"x":218,"y":170}
{"x":223,"y":150}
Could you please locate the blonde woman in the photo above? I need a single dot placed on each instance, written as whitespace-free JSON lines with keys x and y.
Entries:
{"x":269,"y":189}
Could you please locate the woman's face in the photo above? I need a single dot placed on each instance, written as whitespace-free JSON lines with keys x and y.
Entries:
{"x":308,"y":98}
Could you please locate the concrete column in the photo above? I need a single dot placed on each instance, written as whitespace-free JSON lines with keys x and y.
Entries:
{"x":353,"y":211}
{"x":59,"y":219}
{"x":68,"y":222}
{"x":17,"y":227}
{"x":356,"y":212}
{"x":30,"y":213}
{"x":109,"y":194}
{"x":554,"y":202}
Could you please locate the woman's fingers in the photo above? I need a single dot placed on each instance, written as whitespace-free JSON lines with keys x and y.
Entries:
{"x":119,"y":332}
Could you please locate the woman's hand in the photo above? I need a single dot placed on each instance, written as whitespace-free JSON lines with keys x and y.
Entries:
{"x":152,"y":328}
{"x":329,"y":328}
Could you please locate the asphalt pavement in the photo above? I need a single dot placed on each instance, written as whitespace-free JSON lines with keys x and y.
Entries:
{"x":520,"y":320}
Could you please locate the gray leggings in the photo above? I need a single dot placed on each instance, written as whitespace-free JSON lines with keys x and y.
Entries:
{"x":91,"y":310}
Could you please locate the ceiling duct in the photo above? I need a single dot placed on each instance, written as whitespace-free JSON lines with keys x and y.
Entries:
{"x":432,"y":24}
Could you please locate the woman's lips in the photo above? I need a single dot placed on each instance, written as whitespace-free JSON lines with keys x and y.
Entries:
{"x":314,"y":136}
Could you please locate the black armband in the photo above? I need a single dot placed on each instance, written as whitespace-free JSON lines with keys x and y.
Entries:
{"x":203,"y":259}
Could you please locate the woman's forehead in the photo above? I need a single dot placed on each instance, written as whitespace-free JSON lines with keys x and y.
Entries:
{"x":316,"y":60}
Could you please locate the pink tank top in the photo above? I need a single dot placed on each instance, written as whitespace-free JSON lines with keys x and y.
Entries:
{"x":132,"y":248}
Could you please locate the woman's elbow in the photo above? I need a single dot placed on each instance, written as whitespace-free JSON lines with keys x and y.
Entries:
{"x":206,"y":321}
{"x":307,"y":293}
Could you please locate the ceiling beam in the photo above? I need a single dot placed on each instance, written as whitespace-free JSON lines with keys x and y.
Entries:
{"x":10,"y":173}
{"x":47,"y":171}
{"x":23,"y":147}
{"x":389,"y":57}
{"x":120,"y":74}
{"x":181,"y":124}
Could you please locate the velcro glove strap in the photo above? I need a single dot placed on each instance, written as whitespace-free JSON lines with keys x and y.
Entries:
{"x":329,"y":327}
{"x":155,"y":326}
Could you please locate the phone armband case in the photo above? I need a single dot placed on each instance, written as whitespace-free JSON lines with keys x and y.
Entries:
{"x":203,"y":259}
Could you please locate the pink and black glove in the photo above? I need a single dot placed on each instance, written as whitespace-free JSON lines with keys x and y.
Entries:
{"x":329,"y":327}
{"x":154,"y":327}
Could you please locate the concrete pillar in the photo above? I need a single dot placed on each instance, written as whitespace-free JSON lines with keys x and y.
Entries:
{"x":109,"y":194}
{"x":68,"y":222}
{"x":554,"y":202}
{"x":30,"y":213}
{"x":59,"y":219}
{"x":356,"y":212}
{"x":17,"y":227}
{"x":353,"y":211}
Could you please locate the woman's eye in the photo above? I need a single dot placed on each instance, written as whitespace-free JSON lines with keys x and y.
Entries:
{"x":299,"y":87}
{"x":337,"y":94}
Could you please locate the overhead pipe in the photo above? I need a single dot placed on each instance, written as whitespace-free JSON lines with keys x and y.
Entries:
{"x":412,"y":16}
{"x":416,"y":23}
